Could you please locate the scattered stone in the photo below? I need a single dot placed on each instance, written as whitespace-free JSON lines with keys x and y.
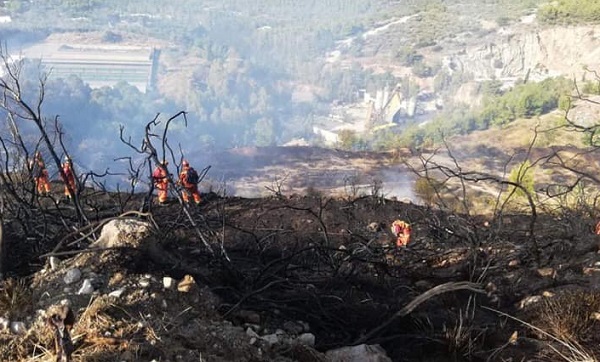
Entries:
{"x":72,"y":276}
{"x":144,"y":282}
{"x":307,"y":339}
{"x":374,"y":227}
{"x":547,"y":272}
{"x":532,"y":299}
{"x":254,"y":327}
{"x":595,"y":316}
{"x":117,"y":293}
{"x":168,"y":283}
{"x":54,"y":262}
{"x":514,"y":263}
{"x":18,"y":328}
{"x":186,"y":284}
{"x":67,"y":290}
{"x":360,"y":353}
{"x":117,"y":278}
{"x":253,"y":340}
{"x":86,"y":287}
{"x":4,"y":323}
{"x":271,"y":339}
{"x":547,"y":294}
{"x":514,"y":338}
{"x":251,"y":333}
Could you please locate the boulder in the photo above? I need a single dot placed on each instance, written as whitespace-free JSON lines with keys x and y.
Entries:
{"x":123,"y":232}
{"x":307,"y":339}
{"x":72,"y":276}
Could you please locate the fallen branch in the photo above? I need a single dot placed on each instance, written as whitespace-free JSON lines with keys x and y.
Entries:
{"x":440,"y":289}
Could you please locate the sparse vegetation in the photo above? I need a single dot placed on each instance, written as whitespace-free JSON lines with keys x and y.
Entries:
{"x":314,"y":263}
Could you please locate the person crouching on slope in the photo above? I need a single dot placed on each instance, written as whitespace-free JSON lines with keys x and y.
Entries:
{"x":188,"y":178}
{"x":401,"y":231}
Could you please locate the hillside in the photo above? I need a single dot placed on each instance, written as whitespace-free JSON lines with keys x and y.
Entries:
{"x":304,"y":276}
{"x":291,"y":256}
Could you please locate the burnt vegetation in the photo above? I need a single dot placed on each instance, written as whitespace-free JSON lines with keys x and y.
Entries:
{"x":517,"y":282}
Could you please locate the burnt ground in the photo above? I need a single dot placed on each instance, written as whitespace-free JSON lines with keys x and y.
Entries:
{"x":330,"y":263}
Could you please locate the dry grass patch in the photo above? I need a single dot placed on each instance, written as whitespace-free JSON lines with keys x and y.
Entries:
{"x":15,"y":299}
{"x":570,"y":316}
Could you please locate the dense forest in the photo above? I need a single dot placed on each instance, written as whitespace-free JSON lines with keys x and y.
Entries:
{"x":252,"y":58}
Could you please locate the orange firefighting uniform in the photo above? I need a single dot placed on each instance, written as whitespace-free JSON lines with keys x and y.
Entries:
{"x":401,"y":231}
{"x":161,"y":182}
{"x":70,"y":178}
{"x":188,"y":188}
{"x":42,"y":182}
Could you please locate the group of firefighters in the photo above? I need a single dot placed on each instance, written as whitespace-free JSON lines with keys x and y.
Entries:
{"x":160,"y":179}
{"x":42,"y":178}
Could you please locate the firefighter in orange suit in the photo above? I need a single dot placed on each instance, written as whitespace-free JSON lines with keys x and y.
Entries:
{"x":68,"y":178}
{"x":161,"y":182}
{"x":188,"y":178}
{"x":401,"y":231}
{"x":40,"y":174}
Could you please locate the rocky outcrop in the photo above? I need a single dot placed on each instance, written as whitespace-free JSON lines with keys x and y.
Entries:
{"x":533,"y":52}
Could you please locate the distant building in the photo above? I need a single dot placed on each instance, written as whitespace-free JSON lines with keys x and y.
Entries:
{"x":98,"y":64}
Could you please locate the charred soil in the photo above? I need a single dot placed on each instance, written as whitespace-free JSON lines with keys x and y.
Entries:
{"x":266,"y":274}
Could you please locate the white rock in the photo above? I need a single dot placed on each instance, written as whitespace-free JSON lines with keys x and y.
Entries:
{"x":169,"y":283}
{"x":72,"y":276}
{"x":86,"y":287}
{"x":144,"y":282}
{"x":117,"y":293}
{"x":307,"y":339}
{"x":4,"y":323}
{"x":271,"y":339}
{"x":123,"y":232}
{"x":54,"y":262}
{"x":250,"y":332}
{"x":18,"y":327}
{"x":360,"y":353}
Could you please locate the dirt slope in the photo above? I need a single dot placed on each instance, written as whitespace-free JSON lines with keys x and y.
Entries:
{"x":326,"y":267}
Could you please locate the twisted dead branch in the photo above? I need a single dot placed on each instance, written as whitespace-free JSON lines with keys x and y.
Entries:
{"x":433,"y":292}
{"x":151,"y":153}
